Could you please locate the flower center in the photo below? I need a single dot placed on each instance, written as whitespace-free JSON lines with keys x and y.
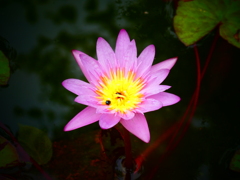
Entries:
{"x":120,"y":91}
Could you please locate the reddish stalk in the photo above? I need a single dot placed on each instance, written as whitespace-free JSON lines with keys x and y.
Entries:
{"x":194,"y":97}
{"x":191,"y":106}
{"x":200,"y":76}
{"x":182,"y":121}
{"x":139,"y":160}
{"x":193,"y":103}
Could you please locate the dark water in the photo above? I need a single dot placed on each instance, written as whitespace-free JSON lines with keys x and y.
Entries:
{"x":38,"y":36}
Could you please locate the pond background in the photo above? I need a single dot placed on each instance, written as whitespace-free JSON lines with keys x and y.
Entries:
{"x":38,"y":36}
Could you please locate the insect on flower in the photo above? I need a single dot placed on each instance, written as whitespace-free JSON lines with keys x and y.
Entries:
{"x":108,"y":102}
{"x":122,"y":87}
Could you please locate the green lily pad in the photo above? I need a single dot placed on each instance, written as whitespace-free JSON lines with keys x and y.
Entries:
{"x":36,"y":143}
{"x":8,"y":154}
{"x":194,"y":19}
{"x":4,"y":69}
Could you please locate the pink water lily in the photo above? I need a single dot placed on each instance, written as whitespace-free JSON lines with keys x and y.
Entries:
{"x":122,"y":87}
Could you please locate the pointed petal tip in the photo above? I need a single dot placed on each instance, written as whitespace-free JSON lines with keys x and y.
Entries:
{"x":178,"y":99}
{"x":76,"y":52}
{"x":166,"y":98}
{"x":171,"y":62}
{"x":99,"y":39}
{"x":67,"y":128}
{"x":166,"y":64}
{"x":100,"y":43}
{"x":145,"y":138}
{"x":85,"y":117}
{"x":68,"y":81}
{"x":65,"y":83}
{"x":152,"y":46}
{"x":138,"y":126}
{"x":174,"y":59}
{"x":151,"y":49}
{"x":123,"y":33}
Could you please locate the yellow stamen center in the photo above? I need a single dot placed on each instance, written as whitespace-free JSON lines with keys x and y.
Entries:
{"x":120,"y":91}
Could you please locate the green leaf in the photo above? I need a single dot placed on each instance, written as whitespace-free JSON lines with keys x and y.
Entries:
{"x":4,"y":69}
{"x":230,"y":28}
{"x":235,"y":162}
{"x":8,"y":154}
{"x":194,"y":19}
{"x":36,"y":143}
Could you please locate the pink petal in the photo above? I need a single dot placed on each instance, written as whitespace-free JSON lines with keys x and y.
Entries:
{"x":127,"y":115}
{"x":167,"y":64}
{"x":105,"y":54}
{"x":165,"y":98}
{"x":102,"y":109}
{"x":151,"y":90}
{"x":77,"y":86}
{"x":158,"y":77}
{"x":145,"y":59}
{"x":122,"y":43}
{"x":107,"y":121}
{"x":138,"y":126}
{"x":85,"y":117}
{"x":91,"y":66}
{"x":87,"y":100}
{"x":130,"y":57}
{"x":76,"y":55}
{"x":150,"y":105}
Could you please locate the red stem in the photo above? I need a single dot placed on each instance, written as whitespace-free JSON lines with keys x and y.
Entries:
{"x":194,"y":97}
{"x":191,"y":107}
{"x":193,"y":103}
{"x":200,"y":76}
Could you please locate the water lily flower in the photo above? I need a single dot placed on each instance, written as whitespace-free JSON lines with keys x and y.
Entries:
{"x":122,"y":87}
